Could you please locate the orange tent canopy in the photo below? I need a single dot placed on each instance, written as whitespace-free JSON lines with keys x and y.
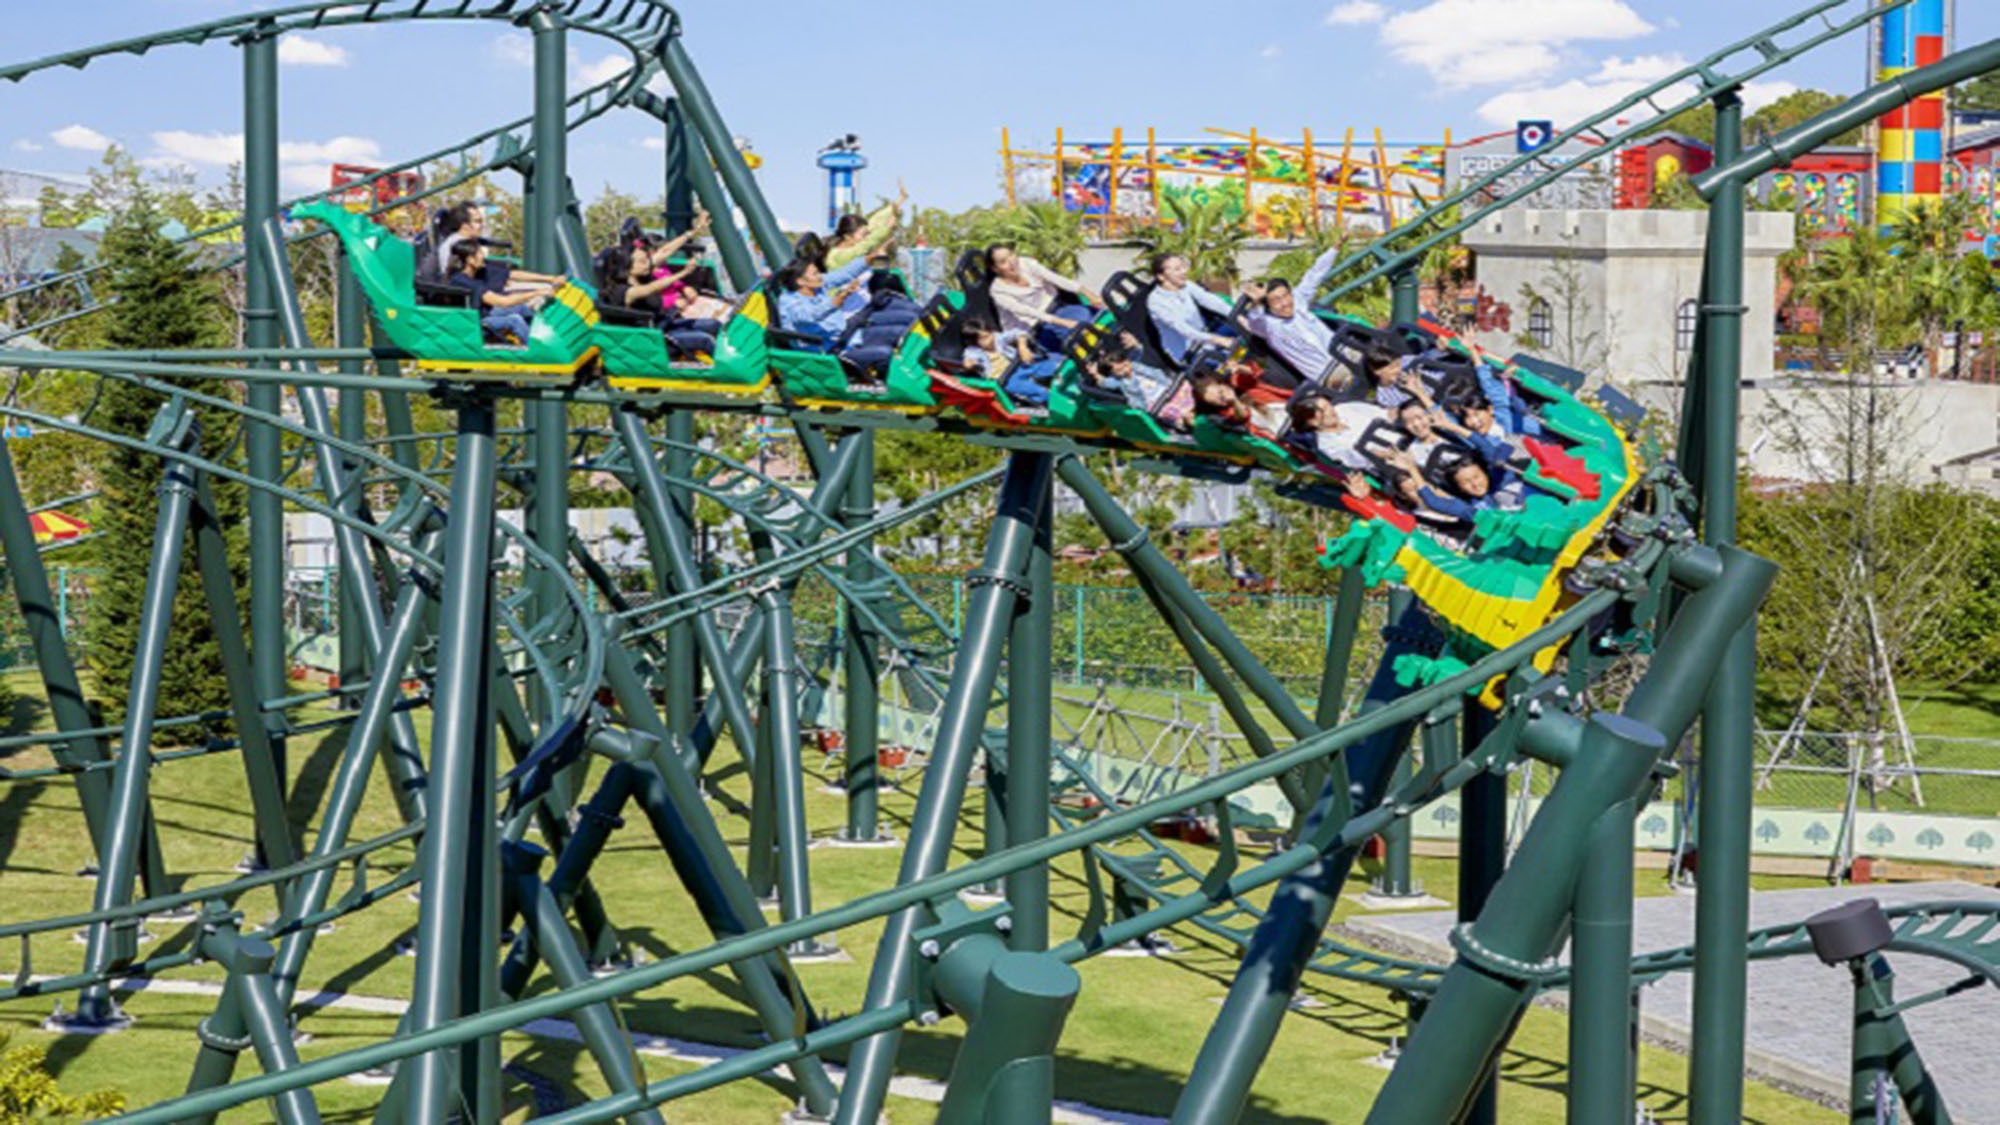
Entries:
{"x":50,"y":527}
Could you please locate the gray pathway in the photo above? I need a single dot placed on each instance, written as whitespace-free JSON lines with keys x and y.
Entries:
{"x":1799,"y":1008}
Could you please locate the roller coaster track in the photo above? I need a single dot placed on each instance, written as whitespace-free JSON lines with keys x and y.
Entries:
{"x":1723,"y":73}
{"x":563,"y":652}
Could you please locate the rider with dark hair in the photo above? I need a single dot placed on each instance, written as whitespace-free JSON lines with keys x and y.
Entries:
{"x":1028,"y":296}
{"x":1300,"y":338}
{"x":1175,"y":305}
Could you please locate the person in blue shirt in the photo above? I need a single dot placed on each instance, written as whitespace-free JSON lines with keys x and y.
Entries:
{"x":987,"y":355}
{"x":503,"y":313}
{"x":1510,"y":410}
{"x":1176,"y":305}
{"x":809,"y":298}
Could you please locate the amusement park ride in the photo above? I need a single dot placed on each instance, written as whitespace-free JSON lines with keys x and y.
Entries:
{"x":1490,"y":654}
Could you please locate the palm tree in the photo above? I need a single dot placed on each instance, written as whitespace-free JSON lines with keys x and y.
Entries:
{"x":1939,"y":286}
{"x":1206,"y":234}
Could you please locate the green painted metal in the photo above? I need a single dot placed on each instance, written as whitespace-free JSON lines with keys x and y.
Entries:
{"x":260,"y":330}
{"x":1603,"y":1065}
{"x":564,"y":649}
{"x":1005,"y":1070}
{"x":1722,"y":911}
{"x":44,"y":620}
{"x":1883,"y":1050}
{"x":862,"y":663}
{"x":1639,"y":114}
{"x":715,"y":136}
{"x":963,"y":719}
{"x":453,"y":949}
{"x":549,"y":511}
{"x":1029,"y":762}
{"x":112,"y":943}
{"x":603,"y":1032}
{"x":350,"y":318}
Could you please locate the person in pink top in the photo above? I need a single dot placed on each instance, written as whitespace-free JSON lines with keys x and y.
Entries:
{"x":1028,"y":296}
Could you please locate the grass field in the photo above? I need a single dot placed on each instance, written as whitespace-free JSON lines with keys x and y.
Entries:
{"x":1128,"y":1044}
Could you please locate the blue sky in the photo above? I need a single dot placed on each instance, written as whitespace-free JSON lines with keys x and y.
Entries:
{"x":927,"y":85}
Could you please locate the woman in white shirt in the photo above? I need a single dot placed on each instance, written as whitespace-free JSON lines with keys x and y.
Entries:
{"x":1026,"y":292}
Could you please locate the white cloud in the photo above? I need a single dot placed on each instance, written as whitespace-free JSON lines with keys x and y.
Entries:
{"x":583,"y":75}
{"x":1356,"y":12}
{"x":1464,"y":43}
{"x":1271,"y":52}
{"x":297,"y":50}
{"x":81,"y":137}
{"x":217,"y":149}
{"x":515,"y":48}
{"x":1615,"y":79}
{"x":657,"y":144}
{"x":26,"y":145}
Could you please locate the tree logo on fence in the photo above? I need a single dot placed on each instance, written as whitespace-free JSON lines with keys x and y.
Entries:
{"x":1445,"y":815}
{"x":1655,"y":825}
{"x":1881,"y":836}
{"x":1979,"y":842}
{"x":1931,"y":839}
{"x":1769,"y":831}
{"x":1817,"y":833}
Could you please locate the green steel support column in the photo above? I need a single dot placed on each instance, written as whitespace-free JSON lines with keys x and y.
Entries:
{"x":1523,"y":922}
{"x":1145,"y":557}
{"x":550,"y":418}
{"x":350,"y":783}
{"x":679,"y":188}
{"x":113,"y":943}
{"x":1482,"y":859}
{"x":1882,"y":1046}
{"x":701,"y":112}
{"x":275,"y":839}
{"x":603,"y":1032}
{"x":260,"y":330}
{"x":993,"y":812}
{"x":1603,"y":1073}
{"x":1014,"y":1004}
{"x":862,"y":656}
{"x":1028,"y":736}
{"x":737,"y":260}
{"x":405,"y":763}
{"x":462,"y":779}
{"x":683,"y":666}
{"x":1405,"y":303}
{"x":1722,"y":910}
{"x":350,"y":331}
{"x":653,"y":493}
{"x":44,"y":621}
{"x":247,"y":1014}
{"x":761,"y":853}
{"x":271,"y":1031}
{"x":963,"y":721}
{"x":1287,"y":939}
{"x":672,"y":801}
{"x":1341,"y":631}
{"x":786,"y":771}
{"x":1438,"y":734}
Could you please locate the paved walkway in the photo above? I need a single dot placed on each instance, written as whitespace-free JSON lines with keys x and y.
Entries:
{"x":1799,"y":1008}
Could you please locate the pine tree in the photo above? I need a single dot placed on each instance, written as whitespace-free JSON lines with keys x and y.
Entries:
{"x":159,"y":302}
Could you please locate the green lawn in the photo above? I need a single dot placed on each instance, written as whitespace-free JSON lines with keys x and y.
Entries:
{"x":1128,"y":1044}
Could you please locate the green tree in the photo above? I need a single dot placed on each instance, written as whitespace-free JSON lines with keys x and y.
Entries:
{"x":1208,"y":235}
{"x":1981,"y":95}
{"x":28,"y":1092}
{"x":1044,"y":231}
{"x":159,"y":302}
{"x":603,"y":215}
{"x":1792,"y":109}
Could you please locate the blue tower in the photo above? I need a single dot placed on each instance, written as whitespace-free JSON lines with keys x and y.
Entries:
{"x":841,"y":159}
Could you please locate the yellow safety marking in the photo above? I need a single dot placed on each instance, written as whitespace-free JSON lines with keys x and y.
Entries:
{"x":501,"y":368}
{"x":909,"y":409}
{"x":692,"y":386}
